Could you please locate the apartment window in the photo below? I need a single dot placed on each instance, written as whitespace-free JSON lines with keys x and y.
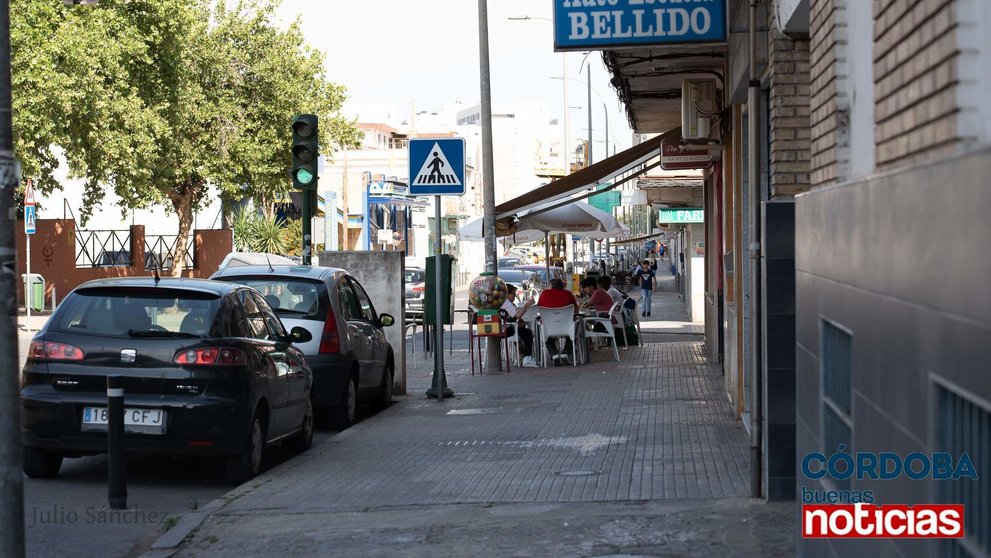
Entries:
{"x":837,"y":366}
{"x":962,"y":425}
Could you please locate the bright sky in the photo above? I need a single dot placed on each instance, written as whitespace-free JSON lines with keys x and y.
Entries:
{"x":398,"y":51}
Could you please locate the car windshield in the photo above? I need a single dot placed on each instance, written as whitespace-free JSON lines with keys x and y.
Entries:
{"x":290,"y":297}
{"x":412,"y":276}
{"x":137,"y":312}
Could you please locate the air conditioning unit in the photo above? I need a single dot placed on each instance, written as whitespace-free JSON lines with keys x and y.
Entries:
{"x":698,"y":106}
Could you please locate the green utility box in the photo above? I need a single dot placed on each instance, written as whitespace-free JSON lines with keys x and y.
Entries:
{"x":429,"y":306}
{"x":37,"y":286}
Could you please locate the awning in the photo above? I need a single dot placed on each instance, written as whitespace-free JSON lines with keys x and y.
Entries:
{"x":626,"y":161}
{"x":637,"y":239}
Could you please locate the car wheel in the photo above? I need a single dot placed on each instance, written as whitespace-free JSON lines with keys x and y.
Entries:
{"x":247,"y":464}
{"x":385,"y":390}
{"x":344,"y":414}
{"x":41,"y":464}
{"x":304,"y":439}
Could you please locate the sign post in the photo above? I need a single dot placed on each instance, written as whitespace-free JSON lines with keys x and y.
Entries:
{"x":437,"y":168}
{"x":30,"y":220}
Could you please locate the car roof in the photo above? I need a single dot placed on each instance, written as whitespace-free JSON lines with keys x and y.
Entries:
{"x":201,"y":285}
{"x":536,"y":267}
{"x":236,"y":259}
{"x":306,"y":271}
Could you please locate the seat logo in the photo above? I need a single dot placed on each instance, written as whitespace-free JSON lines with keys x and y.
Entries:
{"x":128,"y":355}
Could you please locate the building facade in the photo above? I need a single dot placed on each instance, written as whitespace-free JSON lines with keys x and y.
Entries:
{"x":845,"y":280}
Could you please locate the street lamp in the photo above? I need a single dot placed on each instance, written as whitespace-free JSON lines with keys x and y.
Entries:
{"x":605,"y":110}
{"x":564,"y":93}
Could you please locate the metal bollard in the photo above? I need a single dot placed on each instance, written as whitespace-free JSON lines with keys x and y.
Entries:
{"x":117,"y":487}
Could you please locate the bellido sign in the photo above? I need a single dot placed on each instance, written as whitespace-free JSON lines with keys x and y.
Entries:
{"x":586,"y":24}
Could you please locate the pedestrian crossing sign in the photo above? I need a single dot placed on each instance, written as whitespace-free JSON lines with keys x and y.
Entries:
{"x":437,"y":166}
{"x":30,"y":219}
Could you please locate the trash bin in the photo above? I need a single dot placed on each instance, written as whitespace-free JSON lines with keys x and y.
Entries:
{"x":37,"y":286}
{"x":446,"y":301}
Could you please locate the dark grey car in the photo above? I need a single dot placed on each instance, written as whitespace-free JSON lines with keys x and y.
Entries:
{"x":349,"y":354}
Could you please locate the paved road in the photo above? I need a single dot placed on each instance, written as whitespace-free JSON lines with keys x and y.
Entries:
{"x":67,"y":516}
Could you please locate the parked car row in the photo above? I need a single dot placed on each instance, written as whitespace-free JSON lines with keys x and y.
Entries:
{"x":208,"y":366}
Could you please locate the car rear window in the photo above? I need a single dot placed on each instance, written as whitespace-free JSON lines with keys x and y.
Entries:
{"x":288,"y":296}
{"x":136,"y":312}
{"x":411,"y":276}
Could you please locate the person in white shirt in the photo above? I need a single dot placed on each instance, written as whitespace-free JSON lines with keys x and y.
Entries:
{"x":513,"y":315}
{"x":605,"y":283}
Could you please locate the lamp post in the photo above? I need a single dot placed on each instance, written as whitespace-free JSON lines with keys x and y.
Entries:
{"x":565,"y":155}
{"x":493,"y":364}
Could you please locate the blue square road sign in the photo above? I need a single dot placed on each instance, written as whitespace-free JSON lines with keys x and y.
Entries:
{"x":29,"y":219}
{"x":437,"y":166}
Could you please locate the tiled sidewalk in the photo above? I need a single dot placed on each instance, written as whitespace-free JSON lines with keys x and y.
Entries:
{"x":644,"y":455}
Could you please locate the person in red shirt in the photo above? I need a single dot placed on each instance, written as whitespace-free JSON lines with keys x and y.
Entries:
{"x":600,"y":299}
{"x":556,"y":297}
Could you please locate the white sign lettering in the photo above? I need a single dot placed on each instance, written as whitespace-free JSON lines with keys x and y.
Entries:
{"x":659,"y":22}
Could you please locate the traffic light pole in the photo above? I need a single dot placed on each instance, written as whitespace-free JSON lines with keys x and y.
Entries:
{"x":11,"y":475}
{"x":307,"y":218}
{"x":305,"y":165}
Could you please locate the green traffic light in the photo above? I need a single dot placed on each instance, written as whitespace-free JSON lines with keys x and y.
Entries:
{"x":304,"y":176}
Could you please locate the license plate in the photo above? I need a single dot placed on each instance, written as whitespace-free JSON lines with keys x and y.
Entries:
{"x":141,"y":421}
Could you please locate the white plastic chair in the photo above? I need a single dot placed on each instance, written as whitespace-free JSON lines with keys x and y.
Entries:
{"x":620,"y":314}
{"x":514,"y":345}
{"x":558,"y":322}
{"x":530,"y":319}
{"x":609,"y":333}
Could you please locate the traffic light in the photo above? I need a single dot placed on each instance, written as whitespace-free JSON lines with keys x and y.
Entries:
{"x":305,"y":151}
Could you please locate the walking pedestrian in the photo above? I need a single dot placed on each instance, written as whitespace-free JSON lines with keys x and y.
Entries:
{"x":647,"y":278}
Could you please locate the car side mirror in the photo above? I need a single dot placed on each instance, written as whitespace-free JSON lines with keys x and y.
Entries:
{"x":386,"y":320}
{"x":300,"y":335}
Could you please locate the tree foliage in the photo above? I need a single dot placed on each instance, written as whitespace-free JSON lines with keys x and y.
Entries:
{"x":156,"y":99}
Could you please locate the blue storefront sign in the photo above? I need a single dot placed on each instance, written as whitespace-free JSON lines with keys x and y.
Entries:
{"x":599,"y":24}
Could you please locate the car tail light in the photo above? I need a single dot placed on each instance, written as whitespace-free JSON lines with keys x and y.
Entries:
{"x":211,"y":355}
{"x":420,"y":288}
{"x":47,"y":350}
{"x":330,"y":341}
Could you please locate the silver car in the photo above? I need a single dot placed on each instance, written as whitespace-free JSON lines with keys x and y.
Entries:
{"x":415,"y":284}
{"x":349,"y":354}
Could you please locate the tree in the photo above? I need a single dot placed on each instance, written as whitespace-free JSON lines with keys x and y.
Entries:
{"x":156,"y":99}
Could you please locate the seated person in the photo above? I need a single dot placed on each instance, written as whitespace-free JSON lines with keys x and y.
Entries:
{"x":597,"y":298}
{"x":605,"y":283}
{"x":556,"y":297}
{"x":513,"y":316}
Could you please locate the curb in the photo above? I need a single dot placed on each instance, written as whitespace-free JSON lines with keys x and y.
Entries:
{"x":168,"y":543}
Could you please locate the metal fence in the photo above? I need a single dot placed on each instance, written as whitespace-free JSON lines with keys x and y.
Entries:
{"x":159,"y":249}
{"x":106,"y":248}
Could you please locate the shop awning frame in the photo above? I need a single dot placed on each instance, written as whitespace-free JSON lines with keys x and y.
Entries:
{"x":630,"y":162}
{"x":636,"y":239}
